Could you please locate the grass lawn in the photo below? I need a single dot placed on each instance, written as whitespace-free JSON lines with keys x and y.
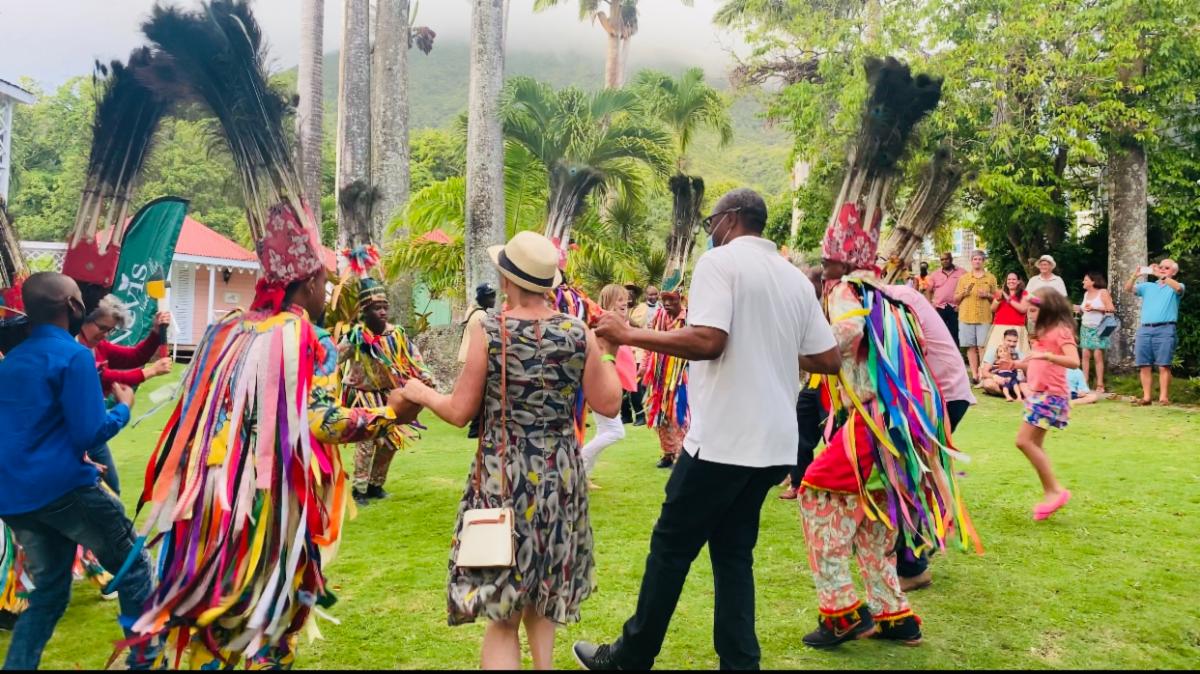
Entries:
{"x":1109,"y":582}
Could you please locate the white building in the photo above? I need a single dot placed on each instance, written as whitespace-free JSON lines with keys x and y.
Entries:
{"x":10,"y":95}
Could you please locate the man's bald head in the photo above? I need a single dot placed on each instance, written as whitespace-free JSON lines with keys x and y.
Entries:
{"x":750,"y":208}
{"x":46,"y":296}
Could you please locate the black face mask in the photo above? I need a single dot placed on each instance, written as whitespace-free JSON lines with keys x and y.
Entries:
{"x":75,"y":323}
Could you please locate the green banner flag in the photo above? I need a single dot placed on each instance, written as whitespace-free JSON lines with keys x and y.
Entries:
{"x":146,"y":253}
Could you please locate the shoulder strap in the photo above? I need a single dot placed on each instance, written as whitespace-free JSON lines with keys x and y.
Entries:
{"x":502,"y":448}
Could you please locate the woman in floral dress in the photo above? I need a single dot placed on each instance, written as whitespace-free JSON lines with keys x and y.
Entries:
{"x":528,"y":404}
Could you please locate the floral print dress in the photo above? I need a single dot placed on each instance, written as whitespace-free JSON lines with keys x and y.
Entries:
{"x":547,"y":486}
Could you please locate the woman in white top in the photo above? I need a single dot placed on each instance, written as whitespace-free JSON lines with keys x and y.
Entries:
{"x":1046,"y":277}
{"x":1097,"y":302}
{"x":609,"y":430}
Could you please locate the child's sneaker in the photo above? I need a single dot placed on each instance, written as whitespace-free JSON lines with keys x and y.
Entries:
{"x":903,"y":627}
{"x":834,"y":630}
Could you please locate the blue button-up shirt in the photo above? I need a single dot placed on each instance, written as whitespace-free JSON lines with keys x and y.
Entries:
{"x":51,"y":413}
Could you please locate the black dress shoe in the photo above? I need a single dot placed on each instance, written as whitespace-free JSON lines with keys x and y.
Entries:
{"x":595,"y":657}
{"x":665,"y":462}
{"x":832,"y":631}
{"x":376,"y":491}
{"x":360,"y":498}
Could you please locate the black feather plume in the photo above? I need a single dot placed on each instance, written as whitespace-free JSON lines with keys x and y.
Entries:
{"x":219,"y":52}
{"x":126,"y":117}
{"x":896,"y":103}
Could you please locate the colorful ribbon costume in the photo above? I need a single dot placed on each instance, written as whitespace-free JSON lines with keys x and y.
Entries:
{"x":247,"y":492}
{"x":894,"y":449}
{"x":14,"y":583}
{"x":372,"y":366}
{"x":574,"y":302}
{"x":666,"y":380}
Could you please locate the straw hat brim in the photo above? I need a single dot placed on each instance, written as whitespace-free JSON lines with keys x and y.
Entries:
{"x":494,"y":254}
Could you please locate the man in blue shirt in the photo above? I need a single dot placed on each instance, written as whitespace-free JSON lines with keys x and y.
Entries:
{"x":1156,"y":337}
{"x":52,"y":412}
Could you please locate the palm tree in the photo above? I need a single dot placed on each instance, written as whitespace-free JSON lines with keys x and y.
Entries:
{"x":389,"y":109}
{"x":620,"y":23}
{"x":585,"y":142}
{"x":686,"y":106}
{"x":485,"y":141}
{"x":354,"y":115}
{"x":311,"y":108}
{"x":611,"y":245}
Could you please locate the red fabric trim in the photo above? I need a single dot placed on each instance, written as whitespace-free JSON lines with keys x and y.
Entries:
{"x":831,"y":471}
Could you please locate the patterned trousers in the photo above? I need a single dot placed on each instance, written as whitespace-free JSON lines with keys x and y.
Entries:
{"x":371,"y":462}
{"x":834,"y":526}
{"x":670,"y":438}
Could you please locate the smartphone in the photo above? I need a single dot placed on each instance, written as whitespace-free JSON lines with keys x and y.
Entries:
{"x":1146,"y":270}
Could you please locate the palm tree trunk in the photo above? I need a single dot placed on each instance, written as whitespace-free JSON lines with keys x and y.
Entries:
{"x":389,"y":111}
{"x":354,"y":114}
{"x":485,"y":142}
{"x":389,"y":135}
{"x":800,"y":172}
{"x":687,"y":197}
{"x":612,"y":59}
{"x":1127,"y":248}
{"x":310,"y":112}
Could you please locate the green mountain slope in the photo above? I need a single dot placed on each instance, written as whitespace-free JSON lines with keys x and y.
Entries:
{"x":438,"y":83}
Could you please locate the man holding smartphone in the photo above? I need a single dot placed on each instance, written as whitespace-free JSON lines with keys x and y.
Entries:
{"x":1156,"y":337}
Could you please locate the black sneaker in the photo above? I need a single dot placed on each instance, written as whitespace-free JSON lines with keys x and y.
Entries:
{"x":595,"y":657}
{"x":832,"y":631}
{"x":360,"y":498}
{"x":376,"y":492}
{"x":665,"y":462}
{"x":906,"y":630}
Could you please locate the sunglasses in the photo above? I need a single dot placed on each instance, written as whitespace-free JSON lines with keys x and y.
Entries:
{"x":707,"y":223}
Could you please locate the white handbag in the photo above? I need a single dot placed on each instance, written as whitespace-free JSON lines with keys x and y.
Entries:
{"x":487,"y":538}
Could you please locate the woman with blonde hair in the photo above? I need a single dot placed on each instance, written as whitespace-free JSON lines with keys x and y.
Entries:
{"x":523,"y":371}
{"x":610,"y":430}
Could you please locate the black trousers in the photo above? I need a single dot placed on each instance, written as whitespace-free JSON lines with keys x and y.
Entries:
{"x":632,"y":408}
{"x":717,"y":504}
{"x":909,"y":565}
{"x":950,"y":318}
{"x":810,"y":416}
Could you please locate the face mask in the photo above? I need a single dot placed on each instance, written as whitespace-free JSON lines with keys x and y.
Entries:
{"x":712,"y":243}
{"x":75,"y":324}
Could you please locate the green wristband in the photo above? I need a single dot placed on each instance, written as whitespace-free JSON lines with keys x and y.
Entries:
{"x":609,"y":358}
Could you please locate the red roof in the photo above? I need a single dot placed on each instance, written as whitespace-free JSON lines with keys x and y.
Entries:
{"x":198,"y":239}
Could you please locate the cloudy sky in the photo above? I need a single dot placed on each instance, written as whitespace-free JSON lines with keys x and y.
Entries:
{"x":52,"y":40}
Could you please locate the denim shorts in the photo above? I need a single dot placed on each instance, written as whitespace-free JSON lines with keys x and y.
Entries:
{"x":973,"y":334}
{"x":1155,"y":345}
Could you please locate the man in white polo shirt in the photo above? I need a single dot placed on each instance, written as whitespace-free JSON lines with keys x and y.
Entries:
{"x":753,"y":322}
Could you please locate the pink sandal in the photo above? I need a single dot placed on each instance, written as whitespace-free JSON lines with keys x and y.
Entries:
{"x":1042,"y":511}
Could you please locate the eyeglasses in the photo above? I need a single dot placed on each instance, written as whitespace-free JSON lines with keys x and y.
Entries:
{"x":707,"y":223}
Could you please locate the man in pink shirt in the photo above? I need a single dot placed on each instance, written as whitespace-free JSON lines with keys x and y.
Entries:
{"x":942,"y":284}
{"x":946,"y":364}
